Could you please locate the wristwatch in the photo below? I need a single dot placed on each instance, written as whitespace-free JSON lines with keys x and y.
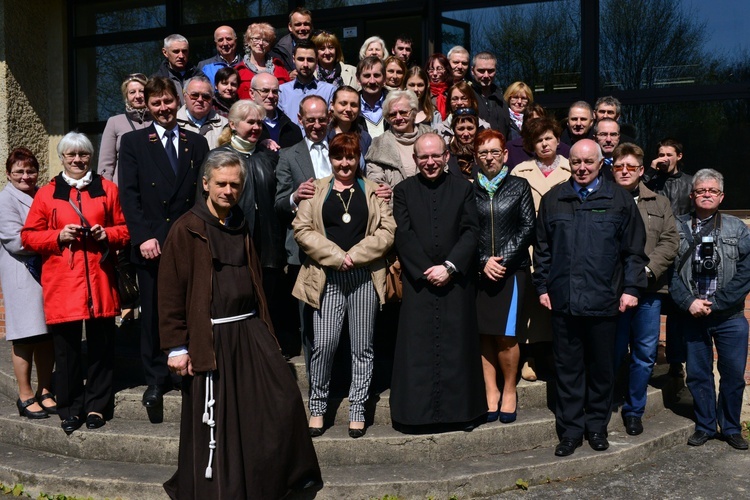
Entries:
{"x":449,"y":267}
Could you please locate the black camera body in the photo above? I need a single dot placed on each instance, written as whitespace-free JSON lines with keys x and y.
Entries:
{"x":707,"y":260}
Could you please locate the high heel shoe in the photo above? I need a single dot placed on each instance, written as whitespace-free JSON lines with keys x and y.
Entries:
{"x":41,"y":398}
{"x":23,"y":409}
{"x":493,"y":415}
{"x":315,"y":431}
{"x":356,"y":433}
{"x":508,"y":417}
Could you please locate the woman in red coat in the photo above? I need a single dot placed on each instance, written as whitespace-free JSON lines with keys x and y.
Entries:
{"x":259,"y":39}
{"x":76,"y":225}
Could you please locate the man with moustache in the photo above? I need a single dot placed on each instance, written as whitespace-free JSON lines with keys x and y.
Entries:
{"x":589,"y":265}
{"x":225,"y":39}
{"x":371,"y":78}
{"x":458,"y":57}
{"x":278,"y":130}
{"x":176,"y":51}
{"x":580,"y":123}
{"x":198,"y":114}
{"x":300,"y":28}
{"x":158,"y":171}
{"x":607,"y":135}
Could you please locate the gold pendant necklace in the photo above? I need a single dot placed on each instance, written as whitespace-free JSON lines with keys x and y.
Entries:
{"x":347,"y":218}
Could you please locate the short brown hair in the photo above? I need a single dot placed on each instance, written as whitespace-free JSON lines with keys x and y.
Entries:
{"x":159,"y":85}
{"x":486,"y":136}
{"x":21,"y":155}
{"x":628,"y":149}
{"x":535,"y":127}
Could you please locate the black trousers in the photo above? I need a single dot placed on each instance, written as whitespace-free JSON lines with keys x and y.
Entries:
{"x":73,"y":399}
{"x":154,"y":360}
{"x":583,"y":348}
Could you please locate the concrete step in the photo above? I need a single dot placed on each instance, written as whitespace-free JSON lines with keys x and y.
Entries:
{"x":487,"y":472}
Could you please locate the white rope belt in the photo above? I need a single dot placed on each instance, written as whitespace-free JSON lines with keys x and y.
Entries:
{"x":209,"y":401}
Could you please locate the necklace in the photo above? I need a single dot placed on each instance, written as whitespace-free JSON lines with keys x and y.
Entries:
{"x":346,"y":217}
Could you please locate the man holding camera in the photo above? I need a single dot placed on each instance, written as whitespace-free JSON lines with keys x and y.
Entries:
{"x":709,"y":284}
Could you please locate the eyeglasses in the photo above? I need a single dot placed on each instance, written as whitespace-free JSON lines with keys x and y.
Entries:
{"x":266,"y":92}
{"x":459,"y":98}
{"x":81,"y":154}
{"x":21,"y":173}
{"x":496,"y":153}
{"x":604,"y":135}
{"x":312,"y":121}
{"x":519,"y":98}
{"x":710,"y":191}
{"x":135,"y":76}
{"x":196,"y":95}
{"x":435,"y":158}
{"x":619,"y":167}
{"x":438,"y":69}
{"x":403,"y":113}
{"x":259,"y":40}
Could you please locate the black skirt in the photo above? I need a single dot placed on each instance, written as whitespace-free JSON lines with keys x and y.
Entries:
{"x":499,"y":304}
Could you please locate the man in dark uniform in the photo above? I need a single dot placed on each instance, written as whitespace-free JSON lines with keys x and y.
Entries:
{"x":159,"y":167}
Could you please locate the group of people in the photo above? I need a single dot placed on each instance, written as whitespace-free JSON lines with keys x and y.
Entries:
{"x":237,"y":183}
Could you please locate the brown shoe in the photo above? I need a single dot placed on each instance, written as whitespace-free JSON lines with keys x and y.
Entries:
{"x":528,"y":370}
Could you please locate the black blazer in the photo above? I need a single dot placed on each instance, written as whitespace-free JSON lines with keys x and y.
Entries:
{"x":151,"y":195}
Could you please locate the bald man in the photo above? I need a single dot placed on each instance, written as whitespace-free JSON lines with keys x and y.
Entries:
{"x":225,"y":39}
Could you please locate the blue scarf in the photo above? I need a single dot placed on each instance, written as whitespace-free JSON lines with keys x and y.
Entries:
{"x":491,"y":186}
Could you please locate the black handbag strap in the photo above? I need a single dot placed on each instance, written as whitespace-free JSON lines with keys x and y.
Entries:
{"x":85,"y":223}
{"x":705,"y":230}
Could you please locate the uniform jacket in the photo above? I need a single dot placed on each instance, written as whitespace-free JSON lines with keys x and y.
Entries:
{"x":211,"y":128}
{"x":295,"y":167}
{"x":733,"y":247}
{"x":662,"y":238}
{"x":675,"y":187}
{"x":506,"y":223}
{"x":76,"y":284}
{"x":589,"y":253}
{"x":22,"y":297}
{"x":116,"y":127}
{"x":152,"y":196}
{"x":322,"y":253}
{"x":185,"y":282}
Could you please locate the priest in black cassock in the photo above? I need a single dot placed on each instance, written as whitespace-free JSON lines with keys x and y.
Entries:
{"x":437,"y":379}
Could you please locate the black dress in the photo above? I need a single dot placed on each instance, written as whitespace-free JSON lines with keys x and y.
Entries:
{"x":263,"y":448}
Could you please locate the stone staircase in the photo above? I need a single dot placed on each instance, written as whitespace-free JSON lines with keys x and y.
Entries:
{"x":130,"y":457}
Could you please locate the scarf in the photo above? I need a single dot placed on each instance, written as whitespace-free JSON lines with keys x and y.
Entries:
{"x":222,"y":105}
{"x":242,"y":145}
{"x":138,"y":115}
{"x":407,"y":138}
{"x":332,"y":76}
{"x":438,"y":91}
{"x":517,"y":118}
{"x":491,"y":185}
{"x":77,"y":183}
{"x":252,"y":67}
{"x":546,"y":170}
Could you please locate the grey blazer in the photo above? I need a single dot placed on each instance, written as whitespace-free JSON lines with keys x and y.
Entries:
{"x":295,"y":167}
{"x":24,"y":311}
{"x":109,"y":148}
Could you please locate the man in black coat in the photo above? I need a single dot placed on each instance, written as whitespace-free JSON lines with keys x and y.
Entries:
{"x":492,"y":106}
{"x":277,"y":127}
{"x":300,"y":28}
{"x":158,"y":171}
{"x":437,"y":381}
{"x":589,"y":265}
{"x":175,"y":65}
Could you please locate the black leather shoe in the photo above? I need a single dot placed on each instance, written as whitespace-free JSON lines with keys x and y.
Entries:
{"x":153,"y":397}
{"x":598,"y":441}
{"x":71,"y":424}
{"x":567,"y":446}
{"x":316,"y":431}
{"x":356,"y":433}
{"x":94,"y":421}
{"x":52,"y":410}
{"x":699,"y":438}
{"x":676,"y":370}
{"x":23,"y":409}
{"x":633,"y":425}
{"x":736,"y":441}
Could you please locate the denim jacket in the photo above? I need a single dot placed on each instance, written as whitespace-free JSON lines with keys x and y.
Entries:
{"x":733,"y":279}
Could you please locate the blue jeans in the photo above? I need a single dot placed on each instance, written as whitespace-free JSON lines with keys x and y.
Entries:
{"x":730,"y":338}
{"x":639,"y":329}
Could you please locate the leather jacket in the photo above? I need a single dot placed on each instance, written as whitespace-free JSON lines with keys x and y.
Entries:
{"x":676,"y":187}
{"x":506,"y":223}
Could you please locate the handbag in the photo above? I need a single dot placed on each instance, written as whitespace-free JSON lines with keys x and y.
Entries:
{"x":394,"y":290}
{"x":126,"y":280}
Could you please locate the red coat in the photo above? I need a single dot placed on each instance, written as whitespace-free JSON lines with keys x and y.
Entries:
{"x":75,"y":285}
{"x":246,"y":76}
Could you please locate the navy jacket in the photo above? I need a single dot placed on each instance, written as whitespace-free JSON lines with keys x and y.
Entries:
{"x":589,"y":253}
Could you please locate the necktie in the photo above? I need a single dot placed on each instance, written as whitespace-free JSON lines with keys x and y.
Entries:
{"x":171,"y":153}
{"x":608,"y":162}
{"x":320,"y":161}
{"x":583,"y":193}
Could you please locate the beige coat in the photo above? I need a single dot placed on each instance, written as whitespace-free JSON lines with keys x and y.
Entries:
{"x":538,"y":182}
{"x":309,"y":232}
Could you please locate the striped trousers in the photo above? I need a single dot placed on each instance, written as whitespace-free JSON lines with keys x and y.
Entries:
{"x":345,"y":292}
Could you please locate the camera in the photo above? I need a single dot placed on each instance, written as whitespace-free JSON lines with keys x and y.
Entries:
{"x":707,"y":260}
{"x":85,"y":231}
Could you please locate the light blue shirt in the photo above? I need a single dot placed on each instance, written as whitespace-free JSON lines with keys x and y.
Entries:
{"x":292,"y":93}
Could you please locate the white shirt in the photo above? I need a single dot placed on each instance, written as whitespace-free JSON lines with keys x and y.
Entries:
{"x":175,"y":138}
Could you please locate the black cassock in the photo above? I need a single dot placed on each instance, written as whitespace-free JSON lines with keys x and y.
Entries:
{"x":437,"y":368}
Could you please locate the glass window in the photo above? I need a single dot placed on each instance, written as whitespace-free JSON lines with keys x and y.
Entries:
{"x":331,"y":4}
{"x":672,"y":43}
{"x":117,"y":16}
{"x":713,"y":134}
{"x":538,"y":43}
{"x":200,"y":11}
{"x":100,"y":72}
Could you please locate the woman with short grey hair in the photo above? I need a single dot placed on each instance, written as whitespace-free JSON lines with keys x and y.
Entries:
{"x":373,"y":46}
{"x":390,"y":158}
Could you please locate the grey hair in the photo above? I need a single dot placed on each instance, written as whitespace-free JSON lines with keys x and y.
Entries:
{"x":609,"y":101}
{"x":174,"y":38}
{"x":456,"y":49}
{"x":581,"y":105}
{"x":221,"y":159}
{"x":198,"y":78}
{"x":707,"y":174}
{"x":74,"y":141}
{"x":397,"y":95}
{"x":605,"y":120}
{"x":367,"y":43}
